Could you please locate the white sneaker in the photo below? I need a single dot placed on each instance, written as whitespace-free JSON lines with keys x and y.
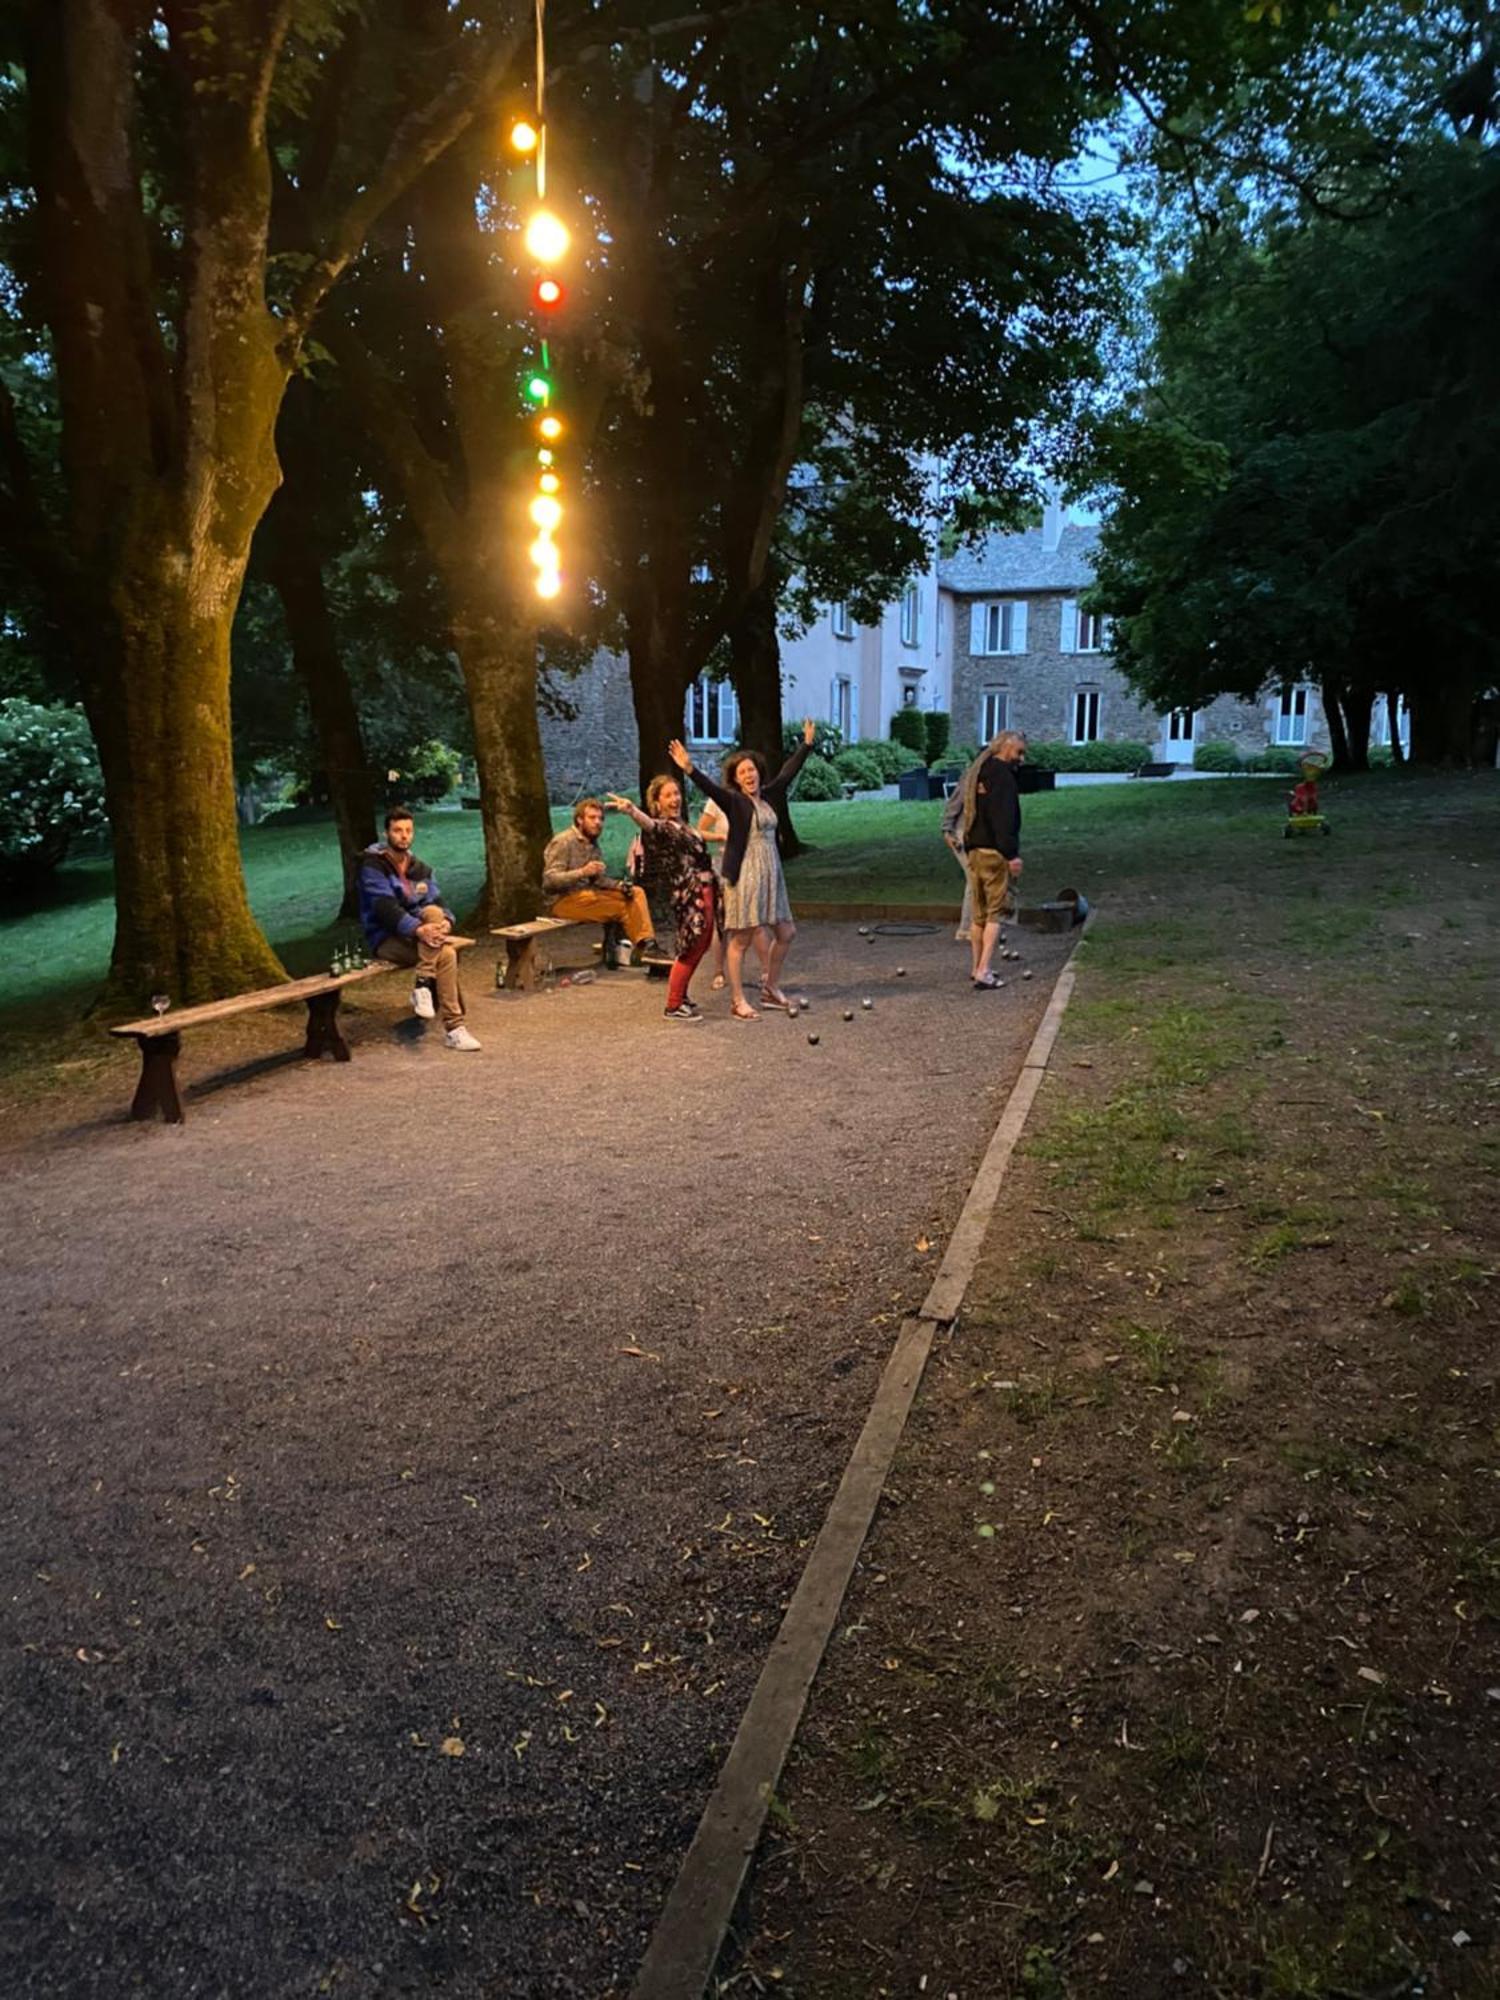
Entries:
{"x":460,"y":1038}
{"x":421,"y":1003}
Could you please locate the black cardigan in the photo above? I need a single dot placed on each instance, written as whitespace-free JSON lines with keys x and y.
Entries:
{"x":739,"y":810}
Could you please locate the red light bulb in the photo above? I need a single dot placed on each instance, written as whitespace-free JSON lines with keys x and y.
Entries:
{"x":548,"y":294}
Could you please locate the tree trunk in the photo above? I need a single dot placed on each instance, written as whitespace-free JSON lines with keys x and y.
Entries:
{"x":496,"y":648}
{"x":1333,"y":715}
{"x":755,"y":669}
{"x":1358,"y":705}
{"x":1442,"y":720}
{"x":1393,"y":724}
{"x":160,"y":711}
{"x":295,"y":568}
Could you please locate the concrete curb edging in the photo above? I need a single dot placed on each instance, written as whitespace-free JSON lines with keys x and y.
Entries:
{"x":690,"y":1932}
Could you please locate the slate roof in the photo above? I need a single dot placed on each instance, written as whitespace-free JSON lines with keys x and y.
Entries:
{"x":1002,"y":563}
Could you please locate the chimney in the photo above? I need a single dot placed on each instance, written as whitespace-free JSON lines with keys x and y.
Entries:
{"x":1052,"y":520}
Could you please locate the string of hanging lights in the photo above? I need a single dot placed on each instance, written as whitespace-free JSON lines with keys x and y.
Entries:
{"x":546,"y":239}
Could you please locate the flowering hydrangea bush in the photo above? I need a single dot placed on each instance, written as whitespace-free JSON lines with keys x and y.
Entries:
{"x":51,"y":790}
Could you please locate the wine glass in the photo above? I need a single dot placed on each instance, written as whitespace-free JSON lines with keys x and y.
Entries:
{"x":160,"y":1002}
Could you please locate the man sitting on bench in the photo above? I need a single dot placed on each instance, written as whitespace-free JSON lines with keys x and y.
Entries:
{"x":404,"y":921}
{"x":573,"y":876}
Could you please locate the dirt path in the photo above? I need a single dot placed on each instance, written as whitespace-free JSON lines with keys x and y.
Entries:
{"x":407,"y":1464}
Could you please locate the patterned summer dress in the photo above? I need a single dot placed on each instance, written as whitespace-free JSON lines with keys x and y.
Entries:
{"x":759,"y":897}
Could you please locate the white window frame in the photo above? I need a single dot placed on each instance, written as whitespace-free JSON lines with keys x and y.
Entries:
{"x":1180,"y":726}
{"x":1290,"y":716}
{"x":1093,"y":632}
{"x":840,"y":624}
{"x":1085,"y":713}
{"x":1380,"y":723}
{"x":994,"y":711}
{"x":999,"y":628}
{"x":709,"y":702}
{"x":841,"y":706}
{"x":911,"y":615}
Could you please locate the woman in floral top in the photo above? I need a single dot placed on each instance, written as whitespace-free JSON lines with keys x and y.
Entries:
{"x":677,"y":855}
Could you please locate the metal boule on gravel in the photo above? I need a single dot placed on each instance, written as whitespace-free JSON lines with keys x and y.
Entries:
{"x":848,"y":1013}
{"x":812,"y":1041}
{"x":1025,"y":975}
{"x":864,"y":930}
{"x":900,"y":971}
{"x":867,"y":1005}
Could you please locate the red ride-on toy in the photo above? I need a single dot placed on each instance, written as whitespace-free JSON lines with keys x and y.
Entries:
{"x":1303,"y":813}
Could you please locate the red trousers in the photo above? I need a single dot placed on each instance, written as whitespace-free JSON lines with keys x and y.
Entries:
{"x":688,"y":962}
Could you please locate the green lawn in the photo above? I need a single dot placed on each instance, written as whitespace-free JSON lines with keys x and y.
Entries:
{"x":1089,"y":838}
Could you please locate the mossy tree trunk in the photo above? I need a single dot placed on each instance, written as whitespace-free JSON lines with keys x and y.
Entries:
{"x":152,"y":262}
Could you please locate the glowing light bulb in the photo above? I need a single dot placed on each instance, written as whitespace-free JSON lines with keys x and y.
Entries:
{"x":547,"y":294}
{"x":524,"y":136}
{"x":550,"y":428}
{"x":539,"y":389}
{"x":544,"y":457}
{"x":550,"y":483}
{"x":543,"y":551}
{"x":547,"y":238}
{"x":548,"y":584}
{"x":546,"y":513}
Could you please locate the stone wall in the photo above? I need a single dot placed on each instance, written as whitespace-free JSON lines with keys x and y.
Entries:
{"x":1042,"y":682}
{"x":598,"y":750}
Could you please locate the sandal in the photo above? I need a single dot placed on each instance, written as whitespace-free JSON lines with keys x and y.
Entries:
{"x":718,"y":982}
{"x":744,"y":1012}
{"x":769,"y":997}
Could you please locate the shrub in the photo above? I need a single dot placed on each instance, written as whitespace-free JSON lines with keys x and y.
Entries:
{"x":1275,"y":757}
{"x":893,"y":759}
{"x":827,"y":739}
{"x":1380,"y":757}
{"x":818,"y":780}
{"x":1216,"y":757}
{"x":909,"y":726}
{"x":856,"y":768}
{"x":50,"y":782}
{"x":428,"y":772}
{"x":1128,"y":755}
{"x":938,"y":727}
{"x":962,"y":753}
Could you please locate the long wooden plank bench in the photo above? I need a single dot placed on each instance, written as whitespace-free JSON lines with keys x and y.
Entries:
{"x":159,"y":1038}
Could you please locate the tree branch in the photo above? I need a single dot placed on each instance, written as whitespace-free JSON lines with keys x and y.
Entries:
{"x":419,"y":139}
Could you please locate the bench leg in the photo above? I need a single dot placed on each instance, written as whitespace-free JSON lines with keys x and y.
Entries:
{"x":523,"y":972}
{"x":157,"y":1089}
{"x":323,"y":1037}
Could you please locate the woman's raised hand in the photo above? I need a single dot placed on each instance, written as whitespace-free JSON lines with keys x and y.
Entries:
{"x":616,"y":803}
{"x":809,"y":730}
{"x":679,"y":755}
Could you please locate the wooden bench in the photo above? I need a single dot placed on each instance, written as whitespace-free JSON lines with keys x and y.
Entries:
{"x":523,"y":959}
{"x":159,"y":1038}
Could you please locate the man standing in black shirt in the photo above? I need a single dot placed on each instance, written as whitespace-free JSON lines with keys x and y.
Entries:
{"x":992,"y":844}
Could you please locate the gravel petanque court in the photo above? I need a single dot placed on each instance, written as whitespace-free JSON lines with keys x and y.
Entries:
{"x":407,"y":1465}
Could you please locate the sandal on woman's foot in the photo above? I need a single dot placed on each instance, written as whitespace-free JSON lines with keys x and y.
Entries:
{"x":744,"y":1012}
{"x":718,"y":982}
{"x":769,"y":997}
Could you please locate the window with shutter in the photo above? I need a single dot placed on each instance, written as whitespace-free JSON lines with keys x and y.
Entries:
{"x":1086,"y":715}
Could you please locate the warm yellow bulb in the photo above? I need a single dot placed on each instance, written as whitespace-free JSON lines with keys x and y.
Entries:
{"x":544,"y":457}
{"x":546,"y":513}
{"x":547,"y":239}
{"x":550,"y":427}
{"x":523,"y":136}
{"x":548,"y":584}
{"x":550,"y":483}
{"x":543,"y":551}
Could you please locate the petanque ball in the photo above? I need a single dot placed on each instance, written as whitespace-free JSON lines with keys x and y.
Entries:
{"x":848,"y":1013}
{"x":1025,"y":975}
{"x":900,"y":971}
{"x":864,"y":930}
{"x":867,"y":1005}
{"x":812,"y":1041}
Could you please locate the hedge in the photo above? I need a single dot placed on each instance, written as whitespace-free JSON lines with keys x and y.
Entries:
{"x":939,"y":726}
{"x":856,"y":767}
{"x":1123,"y":756}
{"x":818,"y":780}
{"x":909,"y":726}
